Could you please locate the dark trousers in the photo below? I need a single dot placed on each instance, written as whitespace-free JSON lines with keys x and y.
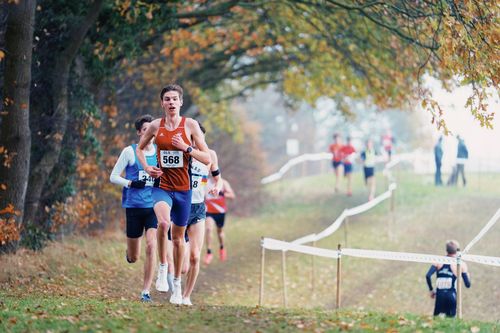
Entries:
{"x":437,"y":177}
{"x":461,"y":171}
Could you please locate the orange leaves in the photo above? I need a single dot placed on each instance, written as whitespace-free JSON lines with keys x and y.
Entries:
{"x":9,"y":230}
{"x":10,"y":210}
{"x":110,"y":110}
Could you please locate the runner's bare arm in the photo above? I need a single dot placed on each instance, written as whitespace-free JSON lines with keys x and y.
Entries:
{"x":214,"y":166}
{"x":202,"y":153}
{"x":143,"y":142}
{"x":228,"y":190}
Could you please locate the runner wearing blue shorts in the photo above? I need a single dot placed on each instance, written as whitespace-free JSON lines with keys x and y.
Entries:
{"x":174,"y":136}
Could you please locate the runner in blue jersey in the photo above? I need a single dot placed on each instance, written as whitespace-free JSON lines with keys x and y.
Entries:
{"x":138,"y":203}
{"x":446,"y":292}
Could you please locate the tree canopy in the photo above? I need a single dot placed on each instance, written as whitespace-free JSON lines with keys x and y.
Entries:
{"x":98,"y":64}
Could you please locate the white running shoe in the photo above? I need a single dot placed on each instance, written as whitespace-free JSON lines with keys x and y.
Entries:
{"x":161,"y":280}
{"x":176,"y":297}
{"x":186,"y":301}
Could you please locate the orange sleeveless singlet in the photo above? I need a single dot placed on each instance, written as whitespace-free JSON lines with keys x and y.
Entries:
{"x":174,"y":163}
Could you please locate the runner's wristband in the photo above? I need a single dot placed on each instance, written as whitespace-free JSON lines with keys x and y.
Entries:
{"x":216,"y":172}
{"x":138,"y":184}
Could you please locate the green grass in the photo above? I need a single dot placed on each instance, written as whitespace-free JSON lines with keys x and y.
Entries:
{"x":62,"y":314}
{"x":84,"y":284}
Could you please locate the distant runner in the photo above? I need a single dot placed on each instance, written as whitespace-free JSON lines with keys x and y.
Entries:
{"x":216,"y":213}
{"x":368,"y":158}
{"x":138,"y":203}
{"x":348,"y":154}
{"x":446,"y":293}
{"x":335,"y":149}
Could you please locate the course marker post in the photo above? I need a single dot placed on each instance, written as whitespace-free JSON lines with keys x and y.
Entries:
{"x":313,"y":277}
{"x":262,"y":262}
{"x":346,"y":226}
{"x":339,"y":276}
{"x":283,"y":276}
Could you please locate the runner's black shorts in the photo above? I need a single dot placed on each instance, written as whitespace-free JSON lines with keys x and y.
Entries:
{"x":138,"y":220}
{"x":218,"y":218}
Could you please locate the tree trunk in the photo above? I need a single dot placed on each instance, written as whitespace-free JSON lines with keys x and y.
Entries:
{"x":41,"y":171}
{"x":15,"y":136}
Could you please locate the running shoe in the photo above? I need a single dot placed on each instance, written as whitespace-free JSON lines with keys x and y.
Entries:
{"x":126,"y":257}
{"x":176,"y":297}
{"x":186,"y":301}
{"x":146,"y":298}
{"x":161,"y":280}
{"x":208,"y":258}
{"x":222,"y":255}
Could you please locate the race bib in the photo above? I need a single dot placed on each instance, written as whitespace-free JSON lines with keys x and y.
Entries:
{"x":444,"y":283}
{"x":196,"y":182}
{"x":171,"y":159}
{"x":143,"y":175}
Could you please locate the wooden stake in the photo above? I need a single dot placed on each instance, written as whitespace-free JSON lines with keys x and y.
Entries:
{"x":459,"y":289}
{"x":313,"y":278}
{"x":393,"y":198}
{"x":283,"y":271}
{"x":339,"y":276}
{"x":262,"y":262}
{"x":346,"y":222}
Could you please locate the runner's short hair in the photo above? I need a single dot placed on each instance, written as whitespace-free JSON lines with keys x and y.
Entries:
{"x":141,"y":120}
{"x":172,"y":87}
{"x":452,"y":247}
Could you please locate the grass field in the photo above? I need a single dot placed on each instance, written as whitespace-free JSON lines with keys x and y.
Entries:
{"x":84,"y":284}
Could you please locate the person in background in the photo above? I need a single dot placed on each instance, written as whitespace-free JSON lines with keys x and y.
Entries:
{"x":335,"y":149}
{"x":446,"y":292}
{"x":348,"y":154}
{"x":387,"y":143}
{"x":438,"y":157}
{"x":462,"y":156}
{"x":216,"y":214}
{"x":368,"y":158}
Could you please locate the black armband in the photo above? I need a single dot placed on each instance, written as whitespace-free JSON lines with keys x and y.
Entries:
{"x":216,"y":172}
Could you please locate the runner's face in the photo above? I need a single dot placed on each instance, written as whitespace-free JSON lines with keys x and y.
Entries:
{"x":143,"y":130}
{"x":171,"y":103}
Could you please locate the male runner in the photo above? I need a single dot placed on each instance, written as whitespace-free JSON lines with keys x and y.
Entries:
{"x":368,"y":158}
{"x":446,"y":293}
{"x":196,"y":223}
{"x":335,"y":149}
{"x":216,"y":213}
{"x":174,"y":136}
{"x":348,"y":155}
{"x":138,"y":203}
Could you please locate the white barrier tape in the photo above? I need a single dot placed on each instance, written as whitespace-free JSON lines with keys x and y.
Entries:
{"x":483,"y":231}
{"x":400,"y":256}
{"x":295,"y":161}
{"x":368,"y":205}
{"x":493,"y":261}
{"x":306,"y":239}
{"x":277,"y":245}
{"x":274,"y":244}
{"x":333,"y":227}
{"x":348,"y":212}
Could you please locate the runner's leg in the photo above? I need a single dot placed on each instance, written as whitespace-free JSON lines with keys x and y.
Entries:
{"x":196,"y":235}
{"x":149,"y":263}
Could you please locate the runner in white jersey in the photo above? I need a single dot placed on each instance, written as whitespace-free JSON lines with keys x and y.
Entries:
{"x":196,"y":222}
